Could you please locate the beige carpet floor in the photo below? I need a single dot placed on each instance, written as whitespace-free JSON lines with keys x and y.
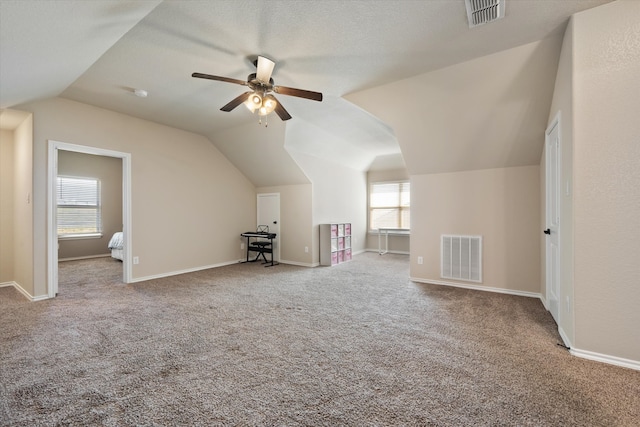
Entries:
{"x":352,"y":345}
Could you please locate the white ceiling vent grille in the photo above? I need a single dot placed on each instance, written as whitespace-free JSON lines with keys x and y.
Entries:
{"x":461,"y":258}
{"x":481,"y":12}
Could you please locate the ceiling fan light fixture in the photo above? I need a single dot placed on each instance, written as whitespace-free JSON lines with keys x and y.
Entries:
{"x":269,"y":104}
{"x":253,"y":102}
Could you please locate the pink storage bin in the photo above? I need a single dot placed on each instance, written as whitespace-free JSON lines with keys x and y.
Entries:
{"x":334,"y":258}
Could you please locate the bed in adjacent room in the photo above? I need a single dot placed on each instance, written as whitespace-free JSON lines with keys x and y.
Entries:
{"x":116,"y":244}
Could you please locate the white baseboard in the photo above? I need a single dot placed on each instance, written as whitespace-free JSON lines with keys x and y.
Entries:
{"x":605,"y":358}
{"x":316,"y":264}
{"x":478,"y":287}
{"x":20,"y":289}
{"x":388,"y":252}
{"x":300,"y":264}
{"x":188,"y":270}
{"x":585,"y":354}
{"x":544,"y":301}
{"x":565,"y":338}
{"x":83,"y":257}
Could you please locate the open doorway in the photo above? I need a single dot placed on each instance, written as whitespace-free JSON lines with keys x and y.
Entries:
{"x":61,"y":155}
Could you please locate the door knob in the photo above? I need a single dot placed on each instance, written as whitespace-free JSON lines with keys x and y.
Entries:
{"x":547,"y":231}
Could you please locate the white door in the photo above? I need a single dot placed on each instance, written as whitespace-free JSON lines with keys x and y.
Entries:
{"x":553,"y":218}
{"x":269,"y":214}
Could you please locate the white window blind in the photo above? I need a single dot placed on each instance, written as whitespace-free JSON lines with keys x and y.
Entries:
{"x":389,"y":205}
{"x":78,"y":206}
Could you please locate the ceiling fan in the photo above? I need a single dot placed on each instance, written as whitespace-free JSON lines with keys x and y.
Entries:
{"x":260,"y":97}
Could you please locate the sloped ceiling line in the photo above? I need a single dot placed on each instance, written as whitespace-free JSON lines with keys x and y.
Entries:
{"x":96,"y":52}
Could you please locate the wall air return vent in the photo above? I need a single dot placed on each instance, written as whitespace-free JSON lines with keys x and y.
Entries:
{"x":461,"y":258}
{"x":481,"y":12}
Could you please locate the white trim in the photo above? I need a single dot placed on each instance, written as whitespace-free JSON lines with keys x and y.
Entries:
{"x":556,"y":122}
{"x":565,"y":338}
{"x":605,"y":358}
{"x":52,"y":244}
{"x":300,"y":264}
{"x":86,"y":236}
{"x":388,"y":252}
{"x":544,"y":301}
{"x":188,"y":270}
{"x":23,"y":291}
{"x":83,"y":257}
{"x":477,"y":287}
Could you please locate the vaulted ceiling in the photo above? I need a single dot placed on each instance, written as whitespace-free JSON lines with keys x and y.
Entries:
{"x":364,"y":56}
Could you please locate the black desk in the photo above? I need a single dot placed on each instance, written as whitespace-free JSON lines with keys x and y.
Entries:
{"x":260,"y":246}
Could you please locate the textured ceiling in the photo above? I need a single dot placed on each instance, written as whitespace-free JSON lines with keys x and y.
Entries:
{"x":98,"y":52}
{"x":46,"y":45}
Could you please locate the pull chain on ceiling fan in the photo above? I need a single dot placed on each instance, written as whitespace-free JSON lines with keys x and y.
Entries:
{"x":260,"y":97}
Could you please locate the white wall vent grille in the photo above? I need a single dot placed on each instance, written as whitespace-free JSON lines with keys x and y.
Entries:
{"x":481,"y":12}
{"x":461,"y":258}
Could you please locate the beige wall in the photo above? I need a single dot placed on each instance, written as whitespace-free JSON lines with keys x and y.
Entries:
{"x":189,"y":203}
{"x":396,"y":243}
{"x":339,"y":195}
{"x":502,"y":205}
{"x":606,"y":171}
{"x":486,"y":116}
{"x":6,"y":205}
{"x":296,"y":227}
{"x":109,"y":171}
{"x":468,"y":116}
{"x":23,"y":202}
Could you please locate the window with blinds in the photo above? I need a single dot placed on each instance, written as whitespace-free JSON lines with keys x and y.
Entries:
{"x":389,"y":205}
{"x":78,"y":207}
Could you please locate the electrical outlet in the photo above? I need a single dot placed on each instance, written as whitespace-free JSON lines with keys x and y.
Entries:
{"x":568,"y":303}
{"x":136,"y":260}
{"x":241,"y":245}
{"x":306,"y":249}
{"x":420,"y":260}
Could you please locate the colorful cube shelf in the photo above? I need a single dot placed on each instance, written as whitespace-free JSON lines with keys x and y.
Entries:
{"x":335,"y":243}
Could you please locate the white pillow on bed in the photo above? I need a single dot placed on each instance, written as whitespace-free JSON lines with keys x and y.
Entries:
{"x":117,"y":241}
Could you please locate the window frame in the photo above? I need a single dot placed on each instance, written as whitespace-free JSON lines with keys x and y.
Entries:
{"x":98,"y":233}
{"x":399,"y":207}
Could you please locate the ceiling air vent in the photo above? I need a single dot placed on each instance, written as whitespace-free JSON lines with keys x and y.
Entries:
{"x":482,"y":12}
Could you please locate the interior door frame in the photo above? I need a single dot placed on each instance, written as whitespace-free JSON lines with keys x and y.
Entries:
{"x":555,"y":123}
{"x":52,"y":220}
{"x":279,"y":236}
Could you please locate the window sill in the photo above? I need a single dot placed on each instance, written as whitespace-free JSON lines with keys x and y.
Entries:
{"x":80,"y":236}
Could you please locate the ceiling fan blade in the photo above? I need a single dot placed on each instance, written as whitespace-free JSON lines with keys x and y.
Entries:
{"x":300,"y":93}
{"x":280,"y":111}
{"x":236,"y":101}
{"x":264,"y":69}
{"x":222,"y":79}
